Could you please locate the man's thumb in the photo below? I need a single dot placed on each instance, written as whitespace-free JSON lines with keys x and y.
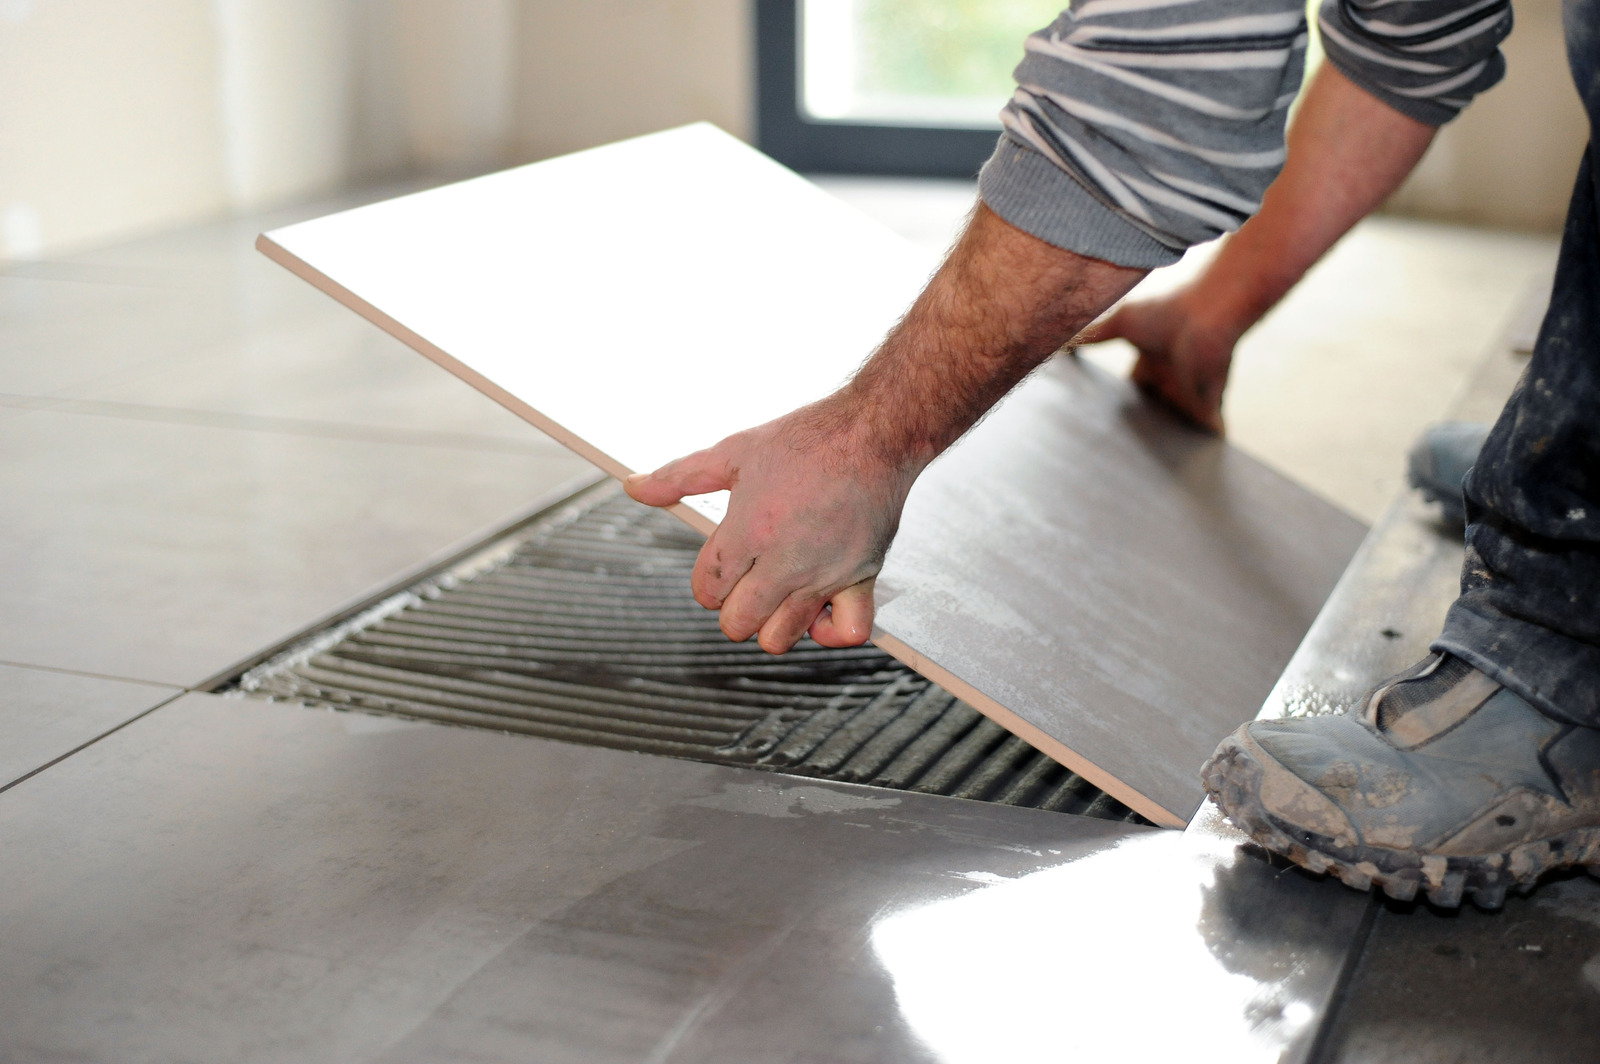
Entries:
{"x":695,"y":474}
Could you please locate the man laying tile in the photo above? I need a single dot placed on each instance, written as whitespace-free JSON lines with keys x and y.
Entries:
{"x":1143,"y":127}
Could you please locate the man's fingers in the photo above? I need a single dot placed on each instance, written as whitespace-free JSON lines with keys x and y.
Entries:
{"x":789,"y":622}
{"x":1107,"y":328}
{"x":717,"y":570}
{"x":696,"y":474}
{"x":747,"y":607}
{"x":848,"y":620}
{"x":1196,"y":396}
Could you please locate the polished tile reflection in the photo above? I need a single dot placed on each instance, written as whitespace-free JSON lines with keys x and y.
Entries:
{"x":1222,"y":947}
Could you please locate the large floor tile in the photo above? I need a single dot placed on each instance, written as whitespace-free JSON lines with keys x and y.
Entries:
{"x":226,"y":880}
{"x":59,"y":333}
{"x":168,"y":551}
{"x":45,"y":715}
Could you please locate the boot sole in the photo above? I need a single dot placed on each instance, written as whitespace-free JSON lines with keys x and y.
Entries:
{"x":1233,"y":778}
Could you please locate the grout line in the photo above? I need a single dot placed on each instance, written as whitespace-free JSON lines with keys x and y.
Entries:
{"x":84,"y":746}
{"x":91,"y":675}
{"x":1317,"y":1052}
{"x":268,"y":423}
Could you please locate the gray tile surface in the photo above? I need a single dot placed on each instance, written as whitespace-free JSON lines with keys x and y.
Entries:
{"x":167,"y":552}
{"x":45,"y":715}
{"x":1468,"y":987}
{"x":1116,"y":588}
{"x":203,"y":457}
{"x":226,"y":880}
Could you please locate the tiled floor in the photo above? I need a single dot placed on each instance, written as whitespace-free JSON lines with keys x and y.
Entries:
{"x":204,"y":456}
{"x":45,"y":715}
{"x":230,"y":881}
{"x":167,"y":552}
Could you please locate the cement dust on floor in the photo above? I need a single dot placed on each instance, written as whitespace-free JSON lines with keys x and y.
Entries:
{"x":1333,"y":386}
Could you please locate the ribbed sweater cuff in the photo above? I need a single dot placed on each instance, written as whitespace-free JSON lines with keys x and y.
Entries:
{"x":1036,"y":196}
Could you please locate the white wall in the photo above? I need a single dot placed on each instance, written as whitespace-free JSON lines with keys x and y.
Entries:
{"x":109,"y":121}
{"x":593,"y":71}
{"x":1510,"y":160}
{"x":457,"y":61}
{"x":283,"y":89}
{"x":118,"y":118}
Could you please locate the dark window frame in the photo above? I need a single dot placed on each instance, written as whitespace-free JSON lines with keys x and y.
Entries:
{"x":801,"y":143}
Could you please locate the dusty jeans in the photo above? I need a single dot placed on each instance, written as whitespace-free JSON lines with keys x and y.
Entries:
{"x":1529,"y":611}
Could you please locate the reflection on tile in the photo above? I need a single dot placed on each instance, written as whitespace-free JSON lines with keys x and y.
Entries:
{"x":1234,"y":958}
{"x":44,"y":715}
{"x":167,"y":552}
{"x":264,"y":882}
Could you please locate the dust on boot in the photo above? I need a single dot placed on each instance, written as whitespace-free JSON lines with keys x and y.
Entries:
{"x":1444,"y":782}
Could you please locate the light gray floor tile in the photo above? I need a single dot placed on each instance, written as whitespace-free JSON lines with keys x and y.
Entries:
{"x":59,"y":335}
{"x":45,"y":715}
{"x":167,"y":552}
{"x":227,"y":880}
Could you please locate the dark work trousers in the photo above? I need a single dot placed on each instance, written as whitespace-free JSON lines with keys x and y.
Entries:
{"x":1529,"y":611}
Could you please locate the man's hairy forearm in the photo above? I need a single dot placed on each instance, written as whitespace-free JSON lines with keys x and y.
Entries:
{"x":1001,"y":304}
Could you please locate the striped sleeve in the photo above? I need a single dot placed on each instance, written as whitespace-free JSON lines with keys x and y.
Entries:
{"x":1142,"y":127}
{"x":1425,"y":58}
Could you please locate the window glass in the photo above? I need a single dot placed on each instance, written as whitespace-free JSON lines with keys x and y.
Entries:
{"x":916,"y":62}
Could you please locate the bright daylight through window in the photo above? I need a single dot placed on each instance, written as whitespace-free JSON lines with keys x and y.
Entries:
{"x":914,"y":62}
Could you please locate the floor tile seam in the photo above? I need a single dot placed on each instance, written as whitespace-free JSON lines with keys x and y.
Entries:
{"x":1321,"y":1045}
{"x":87,"y":674}
{"x":304,"y":427}
{"x":173,"y":697}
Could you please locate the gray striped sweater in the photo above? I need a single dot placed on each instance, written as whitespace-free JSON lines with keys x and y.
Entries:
{"x":1140,"y":128}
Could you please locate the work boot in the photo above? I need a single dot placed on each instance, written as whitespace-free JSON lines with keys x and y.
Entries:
{"x":1439,"y":461}
{"x":1442,"y":781}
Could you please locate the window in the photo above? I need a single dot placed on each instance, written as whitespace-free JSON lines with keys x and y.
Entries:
{"x":888,"y":86}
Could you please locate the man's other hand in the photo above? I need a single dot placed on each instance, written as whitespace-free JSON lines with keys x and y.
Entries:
{"x":810,"y":518}
{"x":1183,"y":360}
